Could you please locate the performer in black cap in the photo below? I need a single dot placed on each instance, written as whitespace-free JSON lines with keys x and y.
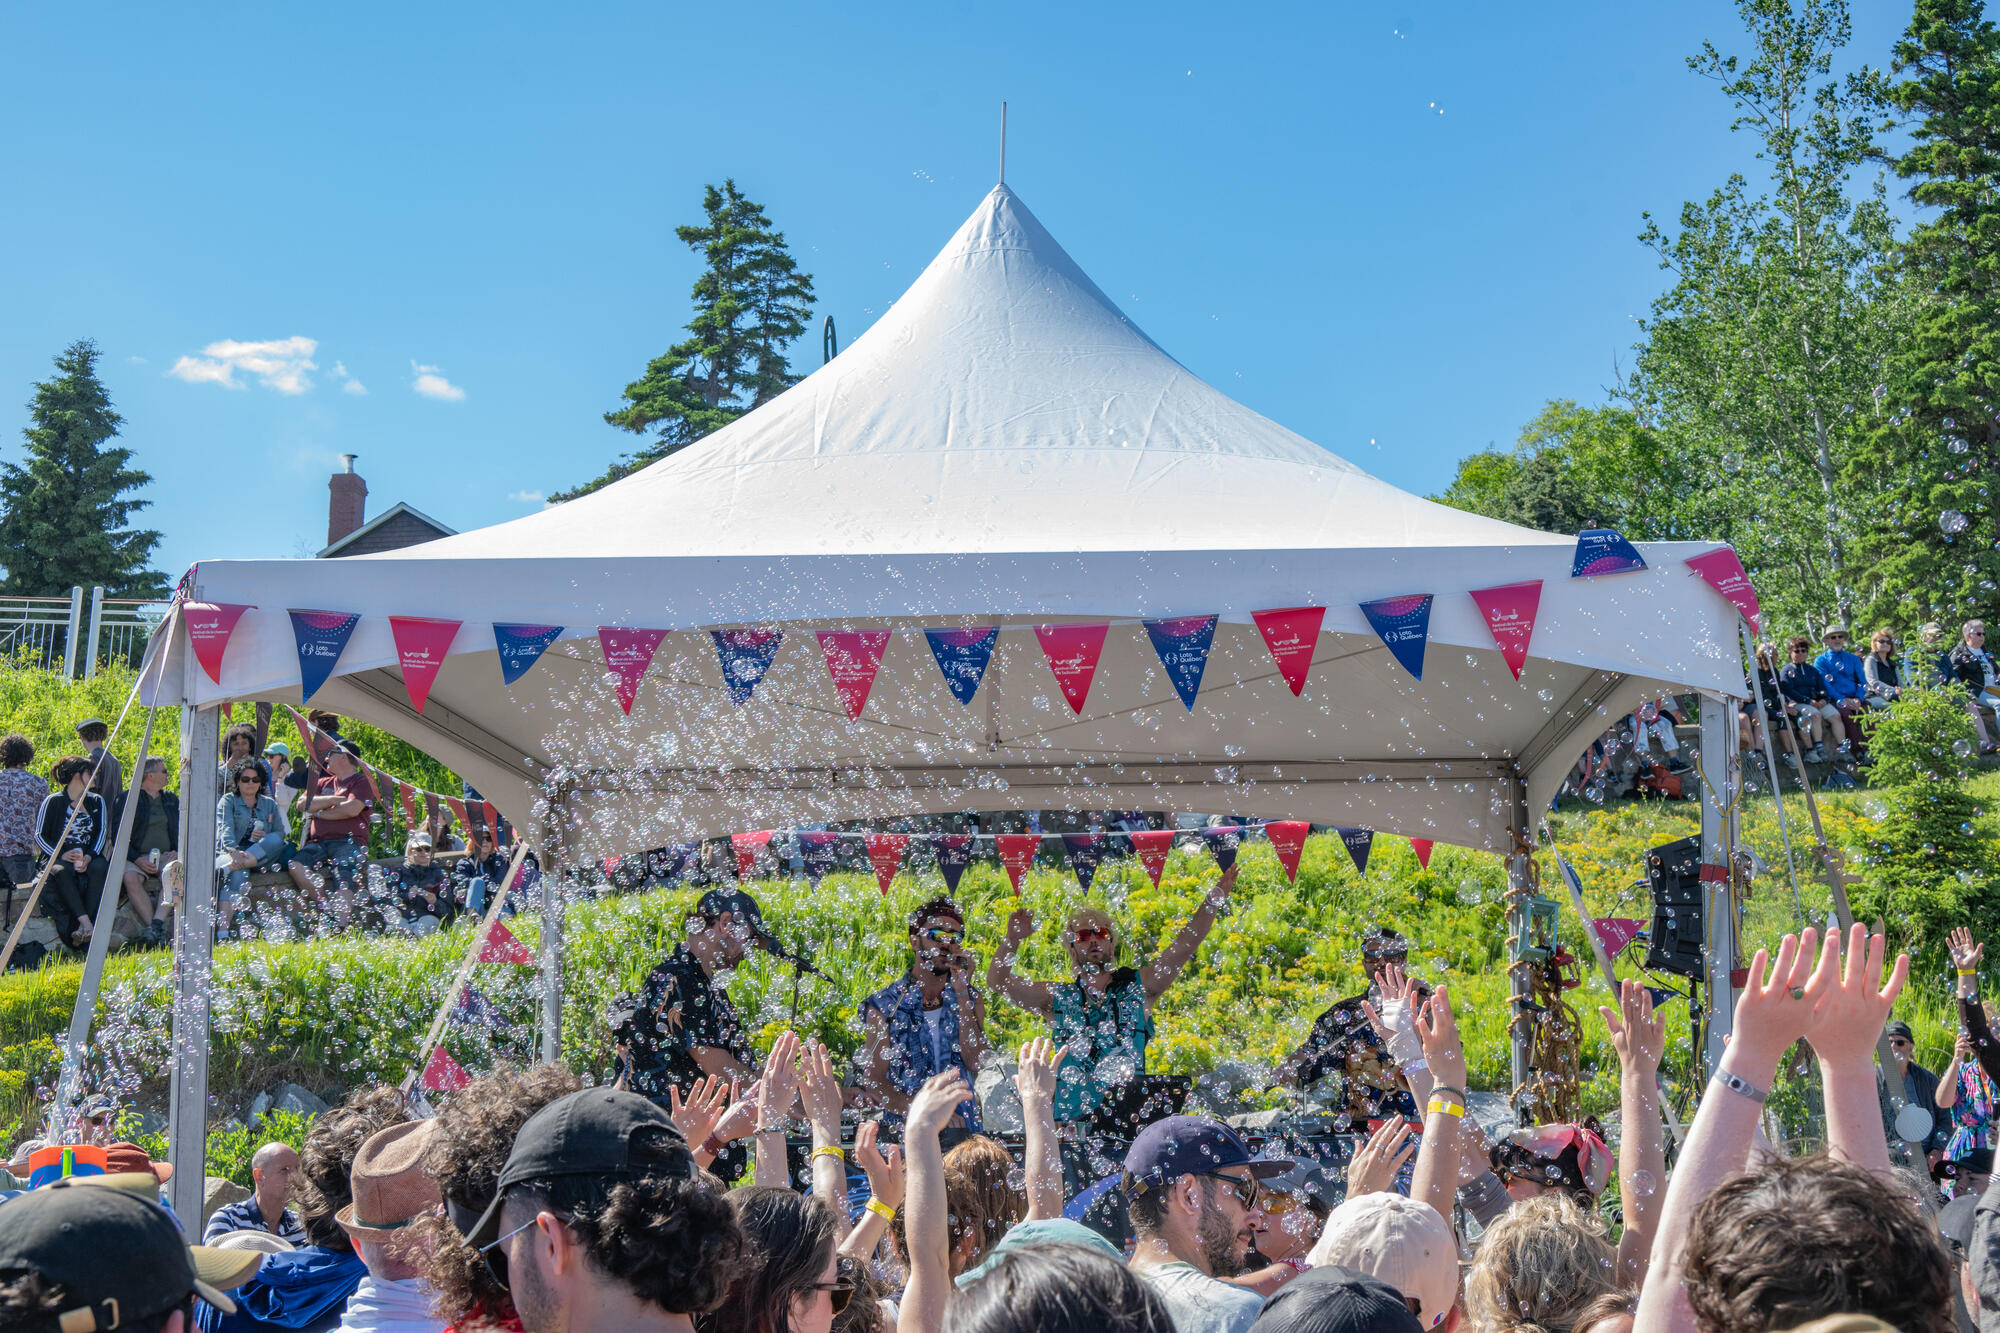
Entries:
{"x":1343,"y":1042}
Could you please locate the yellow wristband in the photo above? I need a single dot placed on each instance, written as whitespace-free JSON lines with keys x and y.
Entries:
{"x":881,"y":1210}
{"x":1963,"y":973}
{"x":828,"y":1150}
{"x":1440,"y":1104}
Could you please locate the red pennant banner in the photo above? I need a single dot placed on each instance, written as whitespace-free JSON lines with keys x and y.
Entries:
{"x":1152,"y":846}
{"x":1510,"y":613}
{"x":885,"y":853}
{"x":612,"y":863}
{"x":492,"y":813}
{"x":1292,"y":635}
{"x":1723,"y":571}
{"x":1072,"y":652}
{"x":1615,"y":932}
{"x":1017,"y":853}
{"x":409,"y":806}
{"x":444,"y":1074}
{"x":1288,"y":840}
{"x":209,"y":626}
{"x":421,"y":644}
{"x":749,"y":846}
{"x":852,"y":659}
{"x":502,"y":947}
{"x":318,"y":745}
{"x":627,"y":654}
{"x":1422,"y":847}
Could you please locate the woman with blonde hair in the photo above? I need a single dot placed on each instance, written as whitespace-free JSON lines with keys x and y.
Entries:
{"x":1542,"y":1264}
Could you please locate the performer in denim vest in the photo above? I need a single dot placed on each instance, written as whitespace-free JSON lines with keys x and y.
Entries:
{"x":929,"y":1020}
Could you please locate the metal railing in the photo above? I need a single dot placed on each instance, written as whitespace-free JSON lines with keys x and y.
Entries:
{"x":76,"y":634}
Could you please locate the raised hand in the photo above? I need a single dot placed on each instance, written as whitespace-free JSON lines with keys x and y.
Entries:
{"x":779,"y":1082}
{"x":820,"y":1088}
{"x":1035,"y":1073}
{"x":696,"y":1117}
{"x":1020,"y":925}
{"x":1375,"y":1166}
{"x":740,"y":1120}
{"x":1846,"y":1007}
{"x":1965,"y":955}
{"x":882,"y":1166}
{"x":1437,"y":1029}
{"x":936,"y":1102}
{"x":1771,"y":1012}
{"x":1637,"y":1033}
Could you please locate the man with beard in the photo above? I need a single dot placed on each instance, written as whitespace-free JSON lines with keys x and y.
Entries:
{"x":929,"y":1020}
{"x":1191,"y":1186}
{"x":1105,"y":1015}
{"x":680,"y":1025}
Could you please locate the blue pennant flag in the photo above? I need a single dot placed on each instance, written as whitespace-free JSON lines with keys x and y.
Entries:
{"x":322,"y":636}
{"x":670,"y":862}
{"x":962,"y":655}
{"x":1661,"y":995}
{"x":1404,"y":623}
{"x":954,"y":854}
{"x":521,"y":646}
{"x":746,"y":655}
{"x":1084,"y":850}
{"x":1358,"y":841}
{"x":1602,"y":551}
{"x":475,"y":1010}
{"x":1183,"y":646}
{"x":819,"y":851}
{"x":1223,"y":841}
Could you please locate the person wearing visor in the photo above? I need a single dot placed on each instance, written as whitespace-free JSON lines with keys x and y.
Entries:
{"x":1342,"y":1042}
{"x":929,"y":1020}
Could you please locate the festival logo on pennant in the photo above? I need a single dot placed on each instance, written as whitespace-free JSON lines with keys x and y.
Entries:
{"x":1723,"y":571}
{"x":421,"y":644}
{"x":209,"y":625}
{"x":954,"y":854}
{"x":521,"y":646}
{"x":1404,"y":624}
{"x":1072,"y":652}
{"x":962,"y":655}
{"x":852,"y":659}
{"x":444,"y":1074}
{"x":1422,"y":847}
{"x":475,"y":1010}
{"x":1358,"y":841}
{"x":502,"y":947}
{"x":1615,"y":932}
{"x":1292,"y":635}
{"x":818,"y":852}
{"x":1151,"y":847}
{"x":885,"y":853}
{"x":1223,"y":842}
{"x":1183,"y":646}
{"x":746,"y":654}
{"x":627,"y":654}
{"x":749,"y":847}
{"x":1601,"y":551}
{"x":1288,"y":840}
{"x":322,"y":636}
{"x":1017,"y":853}
{"x":1085,"y":851}
{"x":1510,"y":613}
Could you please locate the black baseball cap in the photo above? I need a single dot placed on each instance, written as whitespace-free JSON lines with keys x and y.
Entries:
{"x":1896,"y":1027}
{"x":64,"y":1234}
{"x":602,"y":1133}
{"x":744,"y":908}
{"x":1193,"y":1145}
{"x":1336,"y":1300}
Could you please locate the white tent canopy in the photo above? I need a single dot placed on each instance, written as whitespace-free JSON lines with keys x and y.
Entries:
{"x":1002,"y":447}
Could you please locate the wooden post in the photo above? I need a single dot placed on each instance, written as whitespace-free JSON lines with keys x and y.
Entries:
{"x":194,"y":956}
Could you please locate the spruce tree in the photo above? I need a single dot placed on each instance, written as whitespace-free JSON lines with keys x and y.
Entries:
{"x":751,"y":302}
{"x":63,"y":516}
{"x":1933,"y":542}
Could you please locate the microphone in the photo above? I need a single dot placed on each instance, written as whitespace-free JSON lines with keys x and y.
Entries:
{"x":802,"y":961}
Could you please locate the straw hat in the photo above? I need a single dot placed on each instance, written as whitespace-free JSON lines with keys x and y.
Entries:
{"x":391,"y":1188}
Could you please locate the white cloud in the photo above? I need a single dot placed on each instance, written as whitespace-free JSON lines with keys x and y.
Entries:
{"x":135,"y":360}
{"x":526,"y":497}
{"x":431,"y":383}
{"x":278,"y":363}
{"x":348,"y":384}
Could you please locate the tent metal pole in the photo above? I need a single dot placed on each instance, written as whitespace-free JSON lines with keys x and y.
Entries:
{"x":1520,"y":887}
{"x":553,"y":823}
{"x":1764,"y":725}
{"x":194,"y":958}
{"x":1720,"y":789}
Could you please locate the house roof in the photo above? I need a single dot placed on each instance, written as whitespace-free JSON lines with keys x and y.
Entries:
{"x":391,"y":512}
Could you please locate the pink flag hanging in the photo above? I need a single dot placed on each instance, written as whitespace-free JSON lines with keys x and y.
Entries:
{"x":1152,"y":846}
{"x":444,"y":1074}
{"x":1723,"y":571}
{"x":749,"y":846}
{"x":502,"y":947}
{"x":491,"y":812}
{"x":611,"y":863}
{"x":885,"y":853}
{"x":1510,"y":613}
{"x":318,"y":744}
{"x":1017,"y":853}
{"x":852,"y":659}
{"x":627,"y":654}
{"x":1422,"y":847}
{"x":1288,"y":840}
{"x":458,"y":813}
{"x":421,"y":644}
{"x":209,"y":626}
{"x":409,"y":806}
{"x":1616,"y":932}
{"x":1292,"y":635}
{"x":1072,"y":652}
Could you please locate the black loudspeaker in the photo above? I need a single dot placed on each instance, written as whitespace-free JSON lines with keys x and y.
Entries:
{"x":1673,"y":871}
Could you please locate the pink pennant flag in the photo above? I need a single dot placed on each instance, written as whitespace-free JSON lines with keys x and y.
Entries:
{"x":318,"y":744}
{"x":458,"y":813}
{"x":1422,"y":847}
{"x":1723,"y":571}
{"x":1510,"y":613}
{"x":492,"y":813}
{"x":852,"y":659}
{"x":502,"y":947}
{"x":1017,"y":853}
{"x":1288,"y":840}
{"x":749,"y":846}
{"x":209,"y":626}
{"x":885,"y":853}
{"x":1152,"y":846}
{"x":409,"y":806}
{"x":611,"y":863}
{"x":444,"y":1074}
{"x":1292,"y":635}
{"x":627,"y":654}
{"x":421,"y":644}
{"x":1615,"y":932}
{"x":1072,"y":652}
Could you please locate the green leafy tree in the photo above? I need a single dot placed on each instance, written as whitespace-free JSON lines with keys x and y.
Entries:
{"x":64,"y":512}
{"x":1933,"y":539}
{"x":751,"y":302}
{"x":1574,"y":468}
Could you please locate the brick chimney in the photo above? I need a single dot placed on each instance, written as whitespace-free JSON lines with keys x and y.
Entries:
{"x":347,"y":498}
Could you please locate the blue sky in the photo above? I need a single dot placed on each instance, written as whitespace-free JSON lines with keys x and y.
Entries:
{"x":1397,"y":229}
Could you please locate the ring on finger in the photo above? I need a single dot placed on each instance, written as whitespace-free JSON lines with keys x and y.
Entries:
{"x":1798,"y":992}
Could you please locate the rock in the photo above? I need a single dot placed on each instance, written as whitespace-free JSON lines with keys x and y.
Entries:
{"x":291,"y":1097}
{"x":217,"y":1192}
{"x":260,"y":1107}
{"x":152,"y":1122}
{"x":1219,"y":1092}
{"x":1492,"y":1111}
{"x":999,"y":1103}
{"x":1258,"y":1121}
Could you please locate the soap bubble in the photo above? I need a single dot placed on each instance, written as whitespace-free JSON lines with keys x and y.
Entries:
{"x":1958,"y":444}
{"x":1962,"y":748}
{"x":1952,"y":522}
{"x":1732,"y":462}
{"x":1643,"y":1184}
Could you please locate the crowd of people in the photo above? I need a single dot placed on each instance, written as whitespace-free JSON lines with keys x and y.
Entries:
{"x":708,"y":1188}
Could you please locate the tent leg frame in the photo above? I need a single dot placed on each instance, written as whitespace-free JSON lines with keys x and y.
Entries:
{"x":194,"y":959}
{"x":1721,"y":787}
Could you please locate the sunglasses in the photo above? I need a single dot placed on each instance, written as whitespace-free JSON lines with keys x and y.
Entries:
{"x":495,"y":1258}
{"x":1245,"y":1188}
{"x":1092,"y":933}
{"x":943,"y":935}
{"x":1277,"y":1203}
{"x":839,"y":1293}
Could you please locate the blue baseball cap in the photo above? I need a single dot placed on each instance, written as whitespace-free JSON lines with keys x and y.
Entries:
{"x":1193,"y":1145}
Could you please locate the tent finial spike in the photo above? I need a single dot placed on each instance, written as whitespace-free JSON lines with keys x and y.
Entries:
{"x":1003,"y":143}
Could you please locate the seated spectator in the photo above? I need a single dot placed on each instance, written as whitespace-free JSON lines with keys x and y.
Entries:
{"x":790,"y":1281}
{"x":439,"y":826}
{"x":72,"y":831}
{"x":1058,"y":1288}
{"x":1401,"y":1241}
{"x":479,"y":872}
{"x":240,"y":742}
{"x":391,"y":1190}
{"x":247,"y":840}
{"x":21,"y":797}
{"x":274,"y":1170}
{"x":423,"y":894}
{"x":289,"y":777}
{"x":155,"y":839}
{"x":1656,"y":721}
{"x":107,"y":775}
{"x":1336,"y":1300}
{"x":1802,"y":684}
{"x":1846,"y":680}
{"x":1539,"y":1266}
{"x":1880,"y":667}
{"x":1970,"y":667}
{"x":334,"y":857}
